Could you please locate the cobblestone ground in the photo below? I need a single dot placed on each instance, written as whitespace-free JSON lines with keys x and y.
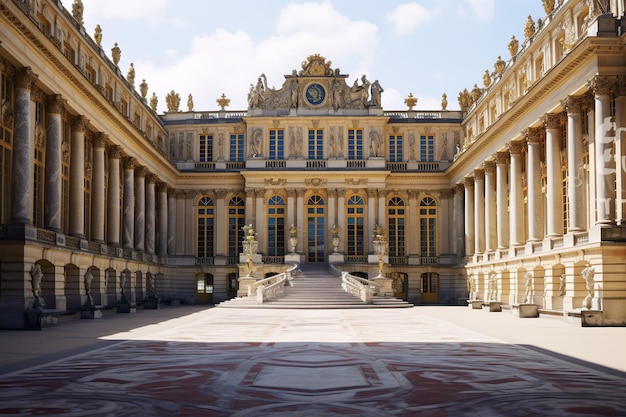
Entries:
{"x":235,"y":362}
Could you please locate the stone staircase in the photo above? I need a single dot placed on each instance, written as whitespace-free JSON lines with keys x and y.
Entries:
{"x":315,"y":288}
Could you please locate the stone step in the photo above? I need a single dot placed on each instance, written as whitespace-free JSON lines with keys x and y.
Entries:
{"x":315,"y":288}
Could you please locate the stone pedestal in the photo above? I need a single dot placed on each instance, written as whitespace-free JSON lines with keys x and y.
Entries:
{"x":123,"y":306}
{"x":295,"y":258}
{"x":475,"y":304}
{"x":38,"y":318}
{"x":244,"y":283}
{"x":495,"y":306}
{"x":151,"y":303}
{"x":591,"y":318}
{"x":386,"y":286}
{"x":525,"y":310}
{"x":91,"y":312}
{"x":336,"y":258}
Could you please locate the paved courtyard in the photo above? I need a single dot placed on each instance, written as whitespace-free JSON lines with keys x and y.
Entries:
{"x":423,"y":361}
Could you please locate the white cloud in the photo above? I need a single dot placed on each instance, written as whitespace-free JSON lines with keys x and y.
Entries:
{"x":483,"y":9}
{"x":407,"y":17}
{"x":228,"y":62}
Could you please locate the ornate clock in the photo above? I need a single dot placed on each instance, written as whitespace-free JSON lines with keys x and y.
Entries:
{"x":315,"y":94}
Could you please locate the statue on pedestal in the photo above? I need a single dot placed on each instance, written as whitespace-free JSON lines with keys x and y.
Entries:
{"x":530,"y":288}
{"x":588,"y":275}
{"x":36,"y":276}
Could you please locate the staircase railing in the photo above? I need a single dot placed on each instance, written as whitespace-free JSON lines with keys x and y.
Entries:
{"x":359,"y":287}
{"x":271,"y":288}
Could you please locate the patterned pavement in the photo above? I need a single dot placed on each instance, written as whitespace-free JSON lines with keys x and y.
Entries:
{"x":309,"y":363}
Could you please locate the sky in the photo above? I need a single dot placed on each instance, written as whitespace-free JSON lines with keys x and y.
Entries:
{"x":208,"y":48}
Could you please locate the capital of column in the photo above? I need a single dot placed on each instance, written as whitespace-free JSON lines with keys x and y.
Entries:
{"x":100,"y":140}
{"x":479,"y":175}
{"x":414,"y":194}
{"x":382,"y":193}
{"x":502,"y":158}
{"x":468,"y":182}
{"x":25,"y":78}
{"x":341,"y":193}
{"x":128,"y":162}
{"x":446,"y":193}
{"x":332,"y":193}
{"x":459,"y":189}
{"x":55,"y":103}
{"x":551,"y":120}
{"x":291,"y":192}
{"x":372,"y":193}
{"x":516,"y":147}
{"x":221,"y":194}
{"x":300,"y":192}
{"x":489,"y":167}
{"x":620,"y":87}
{"x":114,"y":151}
{"x":602,"y":85}
{"x":140,"y":170}
{"x":162,"y":187}
{"x":534,"y":135}
{"x":573,"y":104}
{"x":151,"y":178}
{"x":79,"y":123}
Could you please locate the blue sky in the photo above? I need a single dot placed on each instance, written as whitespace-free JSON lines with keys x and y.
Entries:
{"x":207,"y":47}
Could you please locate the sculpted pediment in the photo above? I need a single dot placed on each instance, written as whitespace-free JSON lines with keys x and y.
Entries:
{"x":315,"y":86}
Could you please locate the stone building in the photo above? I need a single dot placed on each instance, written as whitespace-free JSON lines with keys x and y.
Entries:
{"x":510,"y":198}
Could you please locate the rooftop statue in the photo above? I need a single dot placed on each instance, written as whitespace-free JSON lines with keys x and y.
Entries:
{"x":77,"y":11}
{"x":173,"y":102}
{"x":97,"y":35}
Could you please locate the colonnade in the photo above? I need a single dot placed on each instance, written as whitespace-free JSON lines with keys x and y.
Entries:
{"x":143,"y":219}
{"x":498,"y":212}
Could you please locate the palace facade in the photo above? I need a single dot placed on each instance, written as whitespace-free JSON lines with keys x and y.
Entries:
{"x":517,"y":197}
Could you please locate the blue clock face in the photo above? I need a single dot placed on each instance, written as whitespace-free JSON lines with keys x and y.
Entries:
{"x":315,"y":94}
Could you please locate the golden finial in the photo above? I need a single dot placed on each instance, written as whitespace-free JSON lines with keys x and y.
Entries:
{"x":116,"y":54}
{"x":513,"y":46}
{"x":97,"y":35}
{"x":476,"y":92}
{"x":410,"y":101}
{"x":154,"y":102}
{"x":529,"y":27}
{"x":548,"y":6}
{"x":486,"y":79}
{"x":223,"y":102}
{"x":465,"y":99}
{"x":143,"y":88}
{"x":444,"y":101}
{"x":500,"y":65}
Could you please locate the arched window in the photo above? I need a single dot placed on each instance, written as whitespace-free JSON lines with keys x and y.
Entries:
{"x":236,"y":220}
{"x":395,"y":225}
{"x":276,"y":226}
{"x":428,"y":227}
{"x":6,"y":146}
{"x":206,"y":213}
{"x":355,"y":218}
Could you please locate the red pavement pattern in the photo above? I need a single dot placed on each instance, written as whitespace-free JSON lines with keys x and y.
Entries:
{"x":310,"y":379}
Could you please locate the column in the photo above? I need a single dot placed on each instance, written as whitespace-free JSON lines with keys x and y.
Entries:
{"x":371,"y":219}
{"x":516,"y":203}
{"x":260,"y":225}
{"x":140,"y":209}
{"x":332,"y":211}
{"x":458,"y":244}
{"x":171,"y":222}
{"x":479,"y":210}
{"x":382,"y":208}
{"x":412,"y":227}
{"x":53,"y":187}
{"x":534,"y":137}
{"x":300,"y":222}
{"x":490,"y":206}
{"x":77,"y":177}
{"x":469,"y":216}
{"x":150,"y":211}
{"x":128,"y":225}
{"x":575,"y":170}
{"x":163,"y":220}
{"x":113,"y":201}
{"x":221,"y":223}
{"x":97,"y":189}
{"x":554,"y":193}
{"x":291,"y":208}
{"x":604,"y":137}
{"x":502,"y":205}
{"x":341,"y":217}
{"x":250,"y":209}
{"x":21,"y":183}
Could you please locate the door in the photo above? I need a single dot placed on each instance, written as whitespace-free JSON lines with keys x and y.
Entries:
{"x":400,"y":284}
{"x":204,"y":288}
{"x":315,"y":229}
{"x":430,"y":288}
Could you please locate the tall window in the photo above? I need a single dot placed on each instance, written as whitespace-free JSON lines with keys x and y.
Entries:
{"x":236,"y":147}
{"x":277,"y":144}
{"x":236,"y":220}
{"x":355,"y":144}
{"x":356,"y":220}
{"x":316,"y":144}
{"x":206,"y":212}
{"x":315,"y":229}
{"x":396,"y":222}
{"x":427,"y":148}
{"x":206,"y":148}
{"x":6,"y":135}
{"x":428,"y":227}
{"x":395,"y":148}
{"x":276,"y":226}
{"x":564,"y":175}
{"x":38,"y":161}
